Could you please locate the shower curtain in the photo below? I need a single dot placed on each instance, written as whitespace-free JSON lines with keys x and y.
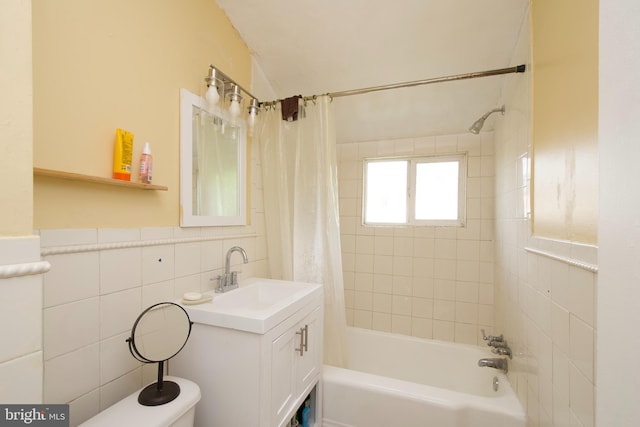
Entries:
{"x":300,"y":186}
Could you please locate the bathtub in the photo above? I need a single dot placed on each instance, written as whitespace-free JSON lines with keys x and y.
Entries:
{"x":395,"y":380}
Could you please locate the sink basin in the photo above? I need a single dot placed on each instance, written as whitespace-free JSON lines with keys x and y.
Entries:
{"x":256,"y":306}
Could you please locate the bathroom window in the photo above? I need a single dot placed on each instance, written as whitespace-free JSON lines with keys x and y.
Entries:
{"x":415,"y":191}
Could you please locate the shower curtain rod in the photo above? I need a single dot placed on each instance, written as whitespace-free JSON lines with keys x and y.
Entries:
{"x":517,"y":69}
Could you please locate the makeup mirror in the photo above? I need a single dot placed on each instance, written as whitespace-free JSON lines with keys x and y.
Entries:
{"x":158,"y":334}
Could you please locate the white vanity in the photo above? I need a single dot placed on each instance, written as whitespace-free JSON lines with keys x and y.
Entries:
{"x":256,"y":353}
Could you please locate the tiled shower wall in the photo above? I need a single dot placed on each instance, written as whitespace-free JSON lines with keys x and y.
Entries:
{"x":430,"y":282}
{"x":545,"y":290}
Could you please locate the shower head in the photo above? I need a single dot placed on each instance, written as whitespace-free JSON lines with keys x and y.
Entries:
{"x":477,"y":125}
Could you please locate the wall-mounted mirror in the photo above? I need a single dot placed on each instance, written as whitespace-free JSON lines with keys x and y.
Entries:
{"x":213,"y":158}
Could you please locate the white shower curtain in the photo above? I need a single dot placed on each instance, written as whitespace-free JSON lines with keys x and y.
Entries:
{"x":301,"y":209}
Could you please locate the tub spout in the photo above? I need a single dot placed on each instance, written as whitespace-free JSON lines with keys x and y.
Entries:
{"x":496,"y":363}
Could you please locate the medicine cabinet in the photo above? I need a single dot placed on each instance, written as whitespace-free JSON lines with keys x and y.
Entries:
{"x":213,"y":158}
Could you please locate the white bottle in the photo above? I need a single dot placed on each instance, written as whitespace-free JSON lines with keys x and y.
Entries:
{"x":146,"y":163}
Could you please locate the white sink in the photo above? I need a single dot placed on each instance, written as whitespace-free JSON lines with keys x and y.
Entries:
{"x":256,"y":306}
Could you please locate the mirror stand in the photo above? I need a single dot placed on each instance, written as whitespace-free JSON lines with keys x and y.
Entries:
{"x":158,"y":334}
{"x":160,"y":392}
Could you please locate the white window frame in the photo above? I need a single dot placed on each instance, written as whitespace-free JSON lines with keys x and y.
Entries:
{"x":461,"y":158}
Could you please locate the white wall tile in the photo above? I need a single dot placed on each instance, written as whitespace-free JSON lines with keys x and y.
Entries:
{"x":84,"y":407}
{"x":363,"y":300}
{"x":120,"y":269}
{"x":443,"y":330}
{"x":400,"y":324}
{"x":22,"y":380}
{"x":382,"y":264}
{"x":125,"y":385}
{"x":364,"y":282}
{"x":582,"y":294}
{"x":157,"y":264}
{"x":188,"y":257}
{"x":466,"y":333}
{"x":21,"y":316}
{"x":71,"y":326}
{"x":71,"y":375}
{"x":362,"y":319}
{"x":382,"y":303}
{"x":72,"y":277}
{"x":381,"y":322}
{"x":119,"y":311}
{"x":68,"y":237}
{"x":422,"y":328}
{"x":466,"y":313}
{"x":582,"y":347}
{"x":157,"y":292}
{"x":115,"y":358}
{"x":112,"y":235}
{"x":18,"y":250}
{"x":582,"y":397}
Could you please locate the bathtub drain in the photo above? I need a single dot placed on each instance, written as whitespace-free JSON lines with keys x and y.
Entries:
{"x":496,"y":383}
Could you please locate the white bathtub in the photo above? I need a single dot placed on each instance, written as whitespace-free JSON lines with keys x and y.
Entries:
{"x":395,"y":380}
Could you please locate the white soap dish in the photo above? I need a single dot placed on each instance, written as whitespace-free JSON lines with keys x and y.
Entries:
{"x":193,"y":298}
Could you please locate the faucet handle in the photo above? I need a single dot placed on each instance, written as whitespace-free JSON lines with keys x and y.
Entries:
{"x":502,"y":351}
{"x":491,"y":338}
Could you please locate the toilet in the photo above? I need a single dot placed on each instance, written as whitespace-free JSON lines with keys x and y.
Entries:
{"x":128,"y":412}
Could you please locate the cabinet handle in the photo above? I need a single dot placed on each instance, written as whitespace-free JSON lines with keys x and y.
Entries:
{"x":301,"y":349}
{"x":306,"y":338}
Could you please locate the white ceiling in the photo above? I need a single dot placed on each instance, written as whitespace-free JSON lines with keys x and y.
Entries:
{"x":312,"y":47}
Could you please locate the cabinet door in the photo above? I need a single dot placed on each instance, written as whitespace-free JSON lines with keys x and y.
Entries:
{"x":283,"y":381}
{"x":308,"y":364}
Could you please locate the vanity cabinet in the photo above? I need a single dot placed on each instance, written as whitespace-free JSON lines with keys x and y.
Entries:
{"x":296,"y":360}
{"x":256,"y":379}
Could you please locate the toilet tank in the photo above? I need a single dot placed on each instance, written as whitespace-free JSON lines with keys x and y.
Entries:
{"x":128,"y":412}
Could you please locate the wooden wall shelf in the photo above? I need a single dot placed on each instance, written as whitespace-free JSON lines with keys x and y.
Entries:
{"x":96,"y":179}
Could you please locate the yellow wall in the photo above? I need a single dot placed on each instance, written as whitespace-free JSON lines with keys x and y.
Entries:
{"x":16,"y":135}
{"x":565,"y":119}
{"x":101,"y":65}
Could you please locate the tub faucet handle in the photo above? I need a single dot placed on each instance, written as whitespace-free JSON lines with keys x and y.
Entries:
{"x":502,"y":351}
{"x":491,"y":338}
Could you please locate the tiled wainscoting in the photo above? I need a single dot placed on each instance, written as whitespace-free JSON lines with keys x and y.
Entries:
{"x":101,"y":280}
{"x":21,"y":320}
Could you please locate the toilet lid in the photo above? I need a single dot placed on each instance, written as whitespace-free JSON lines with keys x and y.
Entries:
{"x":129,"y":412}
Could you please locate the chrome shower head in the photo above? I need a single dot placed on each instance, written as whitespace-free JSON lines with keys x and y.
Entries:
{"x":477,"y":125}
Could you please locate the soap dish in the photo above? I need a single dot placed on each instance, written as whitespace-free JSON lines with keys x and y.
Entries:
{"x":193,"y":298}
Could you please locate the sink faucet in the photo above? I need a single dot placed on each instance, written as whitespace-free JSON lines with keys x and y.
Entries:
{"x":496,"y":363}
{"x":229,"y":280}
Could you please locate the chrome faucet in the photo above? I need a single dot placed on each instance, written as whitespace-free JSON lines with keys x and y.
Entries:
{"x":229,"y":280}
{"x":496,"y":363}
{"x":491,"y":339}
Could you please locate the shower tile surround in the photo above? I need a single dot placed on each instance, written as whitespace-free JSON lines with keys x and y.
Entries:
{"x":429,"y":282}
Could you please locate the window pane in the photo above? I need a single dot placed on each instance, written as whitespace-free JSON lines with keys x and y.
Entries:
{"x":386,"y":192}
{"x":437,"y":191}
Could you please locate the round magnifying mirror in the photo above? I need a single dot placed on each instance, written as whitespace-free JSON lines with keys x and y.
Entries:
{"x":158,"y":334}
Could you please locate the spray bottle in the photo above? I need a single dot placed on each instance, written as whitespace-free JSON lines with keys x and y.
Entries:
{"x":146,"y":163}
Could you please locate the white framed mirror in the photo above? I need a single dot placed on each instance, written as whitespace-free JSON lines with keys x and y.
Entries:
{"x":213,"y":159}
